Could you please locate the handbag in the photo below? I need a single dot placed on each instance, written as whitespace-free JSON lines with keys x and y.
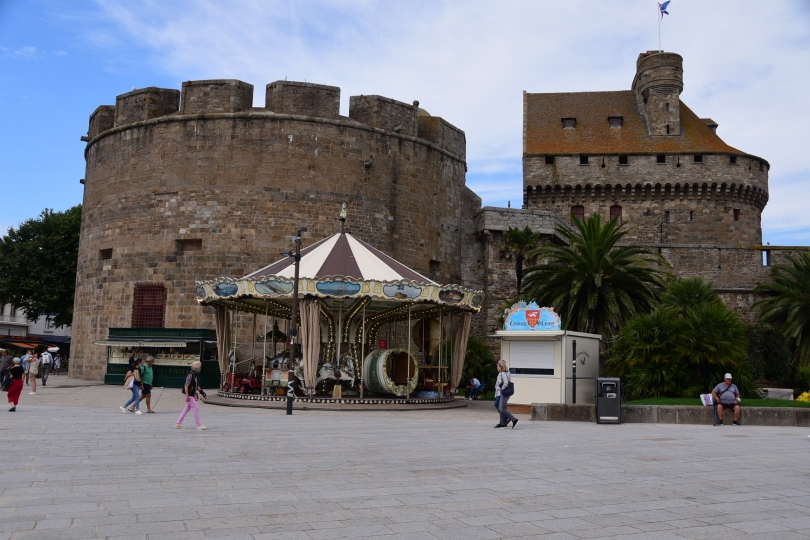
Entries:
{"x":509,"y":389}
{"x":39,"y":375}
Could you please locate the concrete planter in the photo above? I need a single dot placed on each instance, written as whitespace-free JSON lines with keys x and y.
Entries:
{"x":674,"y":414}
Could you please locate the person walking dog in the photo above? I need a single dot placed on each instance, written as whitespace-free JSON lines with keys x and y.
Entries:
{"x":192,"y":391}
{"x":503,"y":391}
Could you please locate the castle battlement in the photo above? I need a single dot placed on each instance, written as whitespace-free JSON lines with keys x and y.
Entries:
{"x":288,"y":98}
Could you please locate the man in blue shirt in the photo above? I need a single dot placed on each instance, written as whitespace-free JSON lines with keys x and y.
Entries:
{"x":472,"y":388}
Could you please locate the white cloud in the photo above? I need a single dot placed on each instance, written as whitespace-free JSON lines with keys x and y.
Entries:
{"x":23,"y":53}
{"x":469,"y":62}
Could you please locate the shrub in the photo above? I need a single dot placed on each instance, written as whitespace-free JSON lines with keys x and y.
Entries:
{"x":769,"y":356}
{"x":684,"y":347}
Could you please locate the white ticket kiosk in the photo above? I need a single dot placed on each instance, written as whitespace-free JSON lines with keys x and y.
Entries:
{"x":540,"y":356}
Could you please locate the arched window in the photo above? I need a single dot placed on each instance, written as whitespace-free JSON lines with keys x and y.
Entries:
{"x":616,"y":213}
{"x":578,"y":211}
{"x":148,"y":305}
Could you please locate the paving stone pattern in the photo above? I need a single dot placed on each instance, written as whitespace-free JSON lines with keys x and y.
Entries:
{"x":75,"y":468}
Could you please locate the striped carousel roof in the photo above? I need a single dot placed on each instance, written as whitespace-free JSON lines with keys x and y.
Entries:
{"x":342,"y":255}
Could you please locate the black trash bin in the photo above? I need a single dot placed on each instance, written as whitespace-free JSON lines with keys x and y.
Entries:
{"x":608,"y":400}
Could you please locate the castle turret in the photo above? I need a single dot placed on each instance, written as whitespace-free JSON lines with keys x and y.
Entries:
{"x":658,"y":84}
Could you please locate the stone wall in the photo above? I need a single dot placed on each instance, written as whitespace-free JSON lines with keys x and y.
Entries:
{"x":241,"y":184}
{"x":678,"y":201}
{"x":500,"y":278}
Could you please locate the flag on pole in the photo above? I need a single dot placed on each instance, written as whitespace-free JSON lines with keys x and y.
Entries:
{"x":663,"y":8}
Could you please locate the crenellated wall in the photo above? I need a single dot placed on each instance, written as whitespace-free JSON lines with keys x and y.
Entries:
{"x":678,"y":201}
{"x":240,"y":181}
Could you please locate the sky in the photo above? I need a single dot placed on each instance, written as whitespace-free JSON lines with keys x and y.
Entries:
{"x":746,"y":65}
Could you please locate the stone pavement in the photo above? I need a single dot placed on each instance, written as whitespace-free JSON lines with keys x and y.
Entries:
{"x":75,"y":467}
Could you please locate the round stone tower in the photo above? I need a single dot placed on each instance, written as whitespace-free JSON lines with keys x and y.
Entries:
{"x":186,"y":186}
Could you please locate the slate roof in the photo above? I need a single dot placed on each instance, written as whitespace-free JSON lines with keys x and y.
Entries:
{"x":544,"y":132}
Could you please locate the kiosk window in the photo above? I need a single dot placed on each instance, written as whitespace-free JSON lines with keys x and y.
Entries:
{"x":531,"y":357}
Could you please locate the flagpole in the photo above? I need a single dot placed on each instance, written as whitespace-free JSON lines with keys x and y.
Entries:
{"x":659,"y":16}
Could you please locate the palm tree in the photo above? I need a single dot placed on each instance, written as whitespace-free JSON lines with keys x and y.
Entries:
{"x":594,"y":283}
{"x":684,"y":346}
{"x":518,"y":243}
{"x":787,"y":304}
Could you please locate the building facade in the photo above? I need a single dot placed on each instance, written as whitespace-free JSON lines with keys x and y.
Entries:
{"x":193,"y":184}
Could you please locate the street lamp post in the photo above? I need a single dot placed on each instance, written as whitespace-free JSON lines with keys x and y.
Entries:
{"x":293,"y":320}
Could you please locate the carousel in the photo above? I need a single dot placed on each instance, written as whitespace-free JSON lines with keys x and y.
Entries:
{"x":369,"y":329}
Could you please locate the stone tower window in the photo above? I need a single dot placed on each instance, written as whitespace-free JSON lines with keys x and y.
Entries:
{"x":661,"y":158}
{"x":148,"y":305}
{"x":666,"y":106}
{"x":569,"y":123}
{"x":616,"y":213}
{"x":578,"y":211}
{"x":105,"y":254}
{"x":188,"y":244}
{"x":736,"y":214}
{"x":666,"y":216}
{"x":616,"y":121}
{"x":623,"y":160}
{"x":667,"y":129}
{"x":761,"y":165}
{"x":732,"y":160}
{"x":583,"y":159}
{"x":549,"y":160}
{"x":691,"y":215}
{"x":698,"y":158}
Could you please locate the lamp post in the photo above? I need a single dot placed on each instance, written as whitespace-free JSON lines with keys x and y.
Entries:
{"x":293,"y":320}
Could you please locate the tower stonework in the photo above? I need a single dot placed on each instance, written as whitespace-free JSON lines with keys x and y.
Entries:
{"x":186,"y":186}
{"x":641,"y":156}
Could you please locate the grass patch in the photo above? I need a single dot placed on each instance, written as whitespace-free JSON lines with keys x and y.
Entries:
{"x":695,"y":402}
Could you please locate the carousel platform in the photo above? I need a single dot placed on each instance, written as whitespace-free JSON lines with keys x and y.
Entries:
{"x":371,"y":403}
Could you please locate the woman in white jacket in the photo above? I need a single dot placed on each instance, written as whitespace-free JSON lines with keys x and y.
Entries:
{"x":504,"y":378}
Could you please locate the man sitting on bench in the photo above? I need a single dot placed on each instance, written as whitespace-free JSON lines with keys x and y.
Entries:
{"x":727,"y":396}
{"x":473,"y":388}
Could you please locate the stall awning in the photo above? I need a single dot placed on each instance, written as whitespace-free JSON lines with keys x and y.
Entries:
{"x":139,"y":343}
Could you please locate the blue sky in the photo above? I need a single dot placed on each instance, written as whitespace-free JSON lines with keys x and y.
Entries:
{"x":746,"y":65}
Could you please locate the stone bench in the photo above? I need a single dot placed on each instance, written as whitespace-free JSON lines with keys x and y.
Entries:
{"x":674,"y":414}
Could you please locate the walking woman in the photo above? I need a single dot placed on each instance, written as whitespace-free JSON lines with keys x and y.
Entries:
{"x":133,"y":382}
{"x":33,"y":372}
{"x":504,"y":378}
{"x":192,"y":391}
{"x":16,"y":386}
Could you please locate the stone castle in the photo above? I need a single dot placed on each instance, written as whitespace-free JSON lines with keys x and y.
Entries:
{"x":189,"y":185}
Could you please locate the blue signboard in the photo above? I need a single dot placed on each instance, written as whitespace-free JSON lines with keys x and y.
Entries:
{"x":522,"y":317}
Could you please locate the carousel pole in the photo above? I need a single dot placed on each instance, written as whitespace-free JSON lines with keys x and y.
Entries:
{"x":293,"y":319}
{"x":363,"y":352}
{"x":408,"y":380}
{"x":264,"y":352}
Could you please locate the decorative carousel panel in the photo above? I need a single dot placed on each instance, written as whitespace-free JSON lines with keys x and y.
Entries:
{"x":451,"y":296}
{"x":225,"y":289}
{"x":402,"y":291}
{"x":337,"y":288}
{"x":274,"y":287}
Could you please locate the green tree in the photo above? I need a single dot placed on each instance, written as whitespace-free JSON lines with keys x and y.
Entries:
{"x":787,"y":304}
{"x":518,"y":243}
{"x":39,"y":265}
{"x":683,"y":347}
{"x":594,"y":283}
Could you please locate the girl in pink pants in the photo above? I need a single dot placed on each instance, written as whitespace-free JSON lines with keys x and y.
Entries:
{"x":192,"y":390}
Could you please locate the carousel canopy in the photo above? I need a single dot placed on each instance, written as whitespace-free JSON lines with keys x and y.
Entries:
{"x":342,"y":255}
{"x":337,"y":268}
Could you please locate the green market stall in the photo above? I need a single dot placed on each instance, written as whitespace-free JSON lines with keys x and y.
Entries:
{"x":174,"y":350}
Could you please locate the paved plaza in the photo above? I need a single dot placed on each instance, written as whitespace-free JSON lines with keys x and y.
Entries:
{"x":75,"y":467}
